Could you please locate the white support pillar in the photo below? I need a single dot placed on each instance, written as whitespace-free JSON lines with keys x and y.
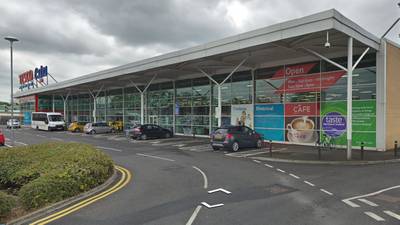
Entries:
{"x":142,"y":92}
{"x":219,"y":86}
{"x":349,"y":96}
{"x":53,"y":103}
{"x":65,"y":99}
{"x":123,"y":108}
{"x":94,"y":96}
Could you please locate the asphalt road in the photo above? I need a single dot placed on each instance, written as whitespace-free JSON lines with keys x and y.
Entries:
{"x":172,"y":177}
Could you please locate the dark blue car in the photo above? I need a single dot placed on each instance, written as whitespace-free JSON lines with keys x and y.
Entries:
{"x":235,"y":137}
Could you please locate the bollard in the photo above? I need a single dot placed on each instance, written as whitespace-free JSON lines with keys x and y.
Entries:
{"x":270,"y":148}
{"x":395,"y":148}
{"x":362,"y":151}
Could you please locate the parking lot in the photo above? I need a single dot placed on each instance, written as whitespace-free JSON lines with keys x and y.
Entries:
{"x":172,"y":177}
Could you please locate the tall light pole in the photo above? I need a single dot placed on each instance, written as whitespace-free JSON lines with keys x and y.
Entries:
{"x":12,"y":40}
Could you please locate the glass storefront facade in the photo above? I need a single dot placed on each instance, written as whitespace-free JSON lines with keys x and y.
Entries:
{"x":295,"y":103}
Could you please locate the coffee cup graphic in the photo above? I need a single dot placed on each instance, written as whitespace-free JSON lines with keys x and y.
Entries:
{"x":301,"y":130}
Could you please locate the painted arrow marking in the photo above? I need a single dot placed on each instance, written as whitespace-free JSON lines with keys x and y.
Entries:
{"x":219,"y":189}
{"x":211,"y":206}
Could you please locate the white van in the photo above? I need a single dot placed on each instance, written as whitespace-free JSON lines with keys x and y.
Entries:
{"x":47,"y":121}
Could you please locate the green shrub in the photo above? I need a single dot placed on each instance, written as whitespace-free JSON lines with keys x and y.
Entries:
{"x":7,"y":203}
{"x":50,"y":172}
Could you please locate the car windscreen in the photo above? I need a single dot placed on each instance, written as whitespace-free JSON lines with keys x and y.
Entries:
{"x":55,"y":118}
{"x":221,"y":131}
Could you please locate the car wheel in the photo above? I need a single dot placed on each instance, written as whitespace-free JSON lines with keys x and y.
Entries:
{"x":167,"y":135}
{"x":259,"y":143}
{"x":235,"y":146}
{"x":92,"y":132}
{"x":143,"y":137}
{"x":77,"y":130}
{"x":215,"y":148}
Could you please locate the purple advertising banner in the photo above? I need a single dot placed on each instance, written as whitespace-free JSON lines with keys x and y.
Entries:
{"x":334,"y":124}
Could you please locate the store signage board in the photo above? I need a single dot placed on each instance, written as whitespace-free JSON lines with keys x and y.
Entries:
{"x":31,"y":79}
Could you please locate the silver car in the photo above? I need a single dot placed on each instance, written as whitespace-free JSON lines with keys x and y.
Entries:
{"x":97,"y":128}
{"x":14,"y":123}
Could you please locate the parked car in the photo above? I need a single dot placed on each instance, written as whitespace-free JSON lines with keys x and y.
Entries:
{"x":2,"y":139}
{"x":14,"y":123}
{"x":147,"y":131}
{"x":97,"y":128}
{"x":76,"y":126}
{"x":234,"y":138}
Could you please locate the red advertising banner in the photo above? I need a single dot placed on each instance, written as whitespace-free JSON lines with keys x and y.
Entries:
{"x":313,"y":82}
{"x":302,"y":109}
{"x":296,"y":70}
{"x":26,"y":77}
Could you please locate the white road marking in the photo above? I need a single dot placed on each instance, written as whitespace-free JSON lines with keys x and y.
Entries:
{"x":211,"y":206}
{"x":267,"y":165}
{"x":194,"y":215}
{"x":392,"y":214}
{"x":309,"y":183}
{"x":292,"y":175}
{"x":21,"y":143}
{"x":107,"y":148}
{"x":204,"y":177}
{"x":220,"y":189}
{"x":180,"y":145}
{"x":367,"y":202}
{"x":42,"y":136}
{"x":155,"y":157}
{"x":348,"y":200}
{"x":281,"y":170}
{"x":326,"y":192}
{"x":57,"y":139}
{"x":154,"y":142}
{"x":256,"y":161}
{"x":374,"y":216}
{"x":8,"y":145}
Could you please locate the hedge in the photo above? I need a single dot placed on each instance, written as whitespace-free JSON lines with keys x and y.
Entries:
{"x":47,"y":173}
{"x":7,"y":203}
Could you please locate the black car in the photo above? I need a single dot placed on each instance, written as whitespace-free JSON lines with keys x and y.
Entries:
{"x":235,"y":137}
{"x":147,"y":131}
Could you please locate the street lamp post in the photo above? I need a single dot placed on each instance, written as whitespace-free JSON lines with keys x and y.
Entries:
{"x":12,"y":40}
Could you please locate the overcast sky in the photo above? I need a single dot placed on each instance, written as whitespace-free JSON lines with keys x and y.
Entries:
{"x":77,"y":37}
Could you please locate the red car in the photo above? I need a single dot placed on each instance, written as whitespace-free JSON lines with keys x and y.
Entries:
{"x":2,"y":139}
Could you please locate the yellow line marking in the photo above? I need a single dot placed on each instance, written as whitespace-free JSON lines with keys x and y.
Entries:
{"x":126,"y":177}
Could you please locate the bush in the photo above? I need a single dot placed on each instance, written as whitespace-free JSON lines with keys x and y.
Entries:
{"x":7,"y":203}
{"x":51,"y":172}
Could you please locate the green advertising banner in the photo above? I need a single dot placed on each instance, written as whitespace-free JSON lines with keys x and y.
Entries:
{"x":333,"y":122}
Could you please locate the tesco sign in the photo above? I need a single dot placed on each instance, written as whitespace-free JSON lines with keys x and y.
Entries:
{"x":30,"y":79}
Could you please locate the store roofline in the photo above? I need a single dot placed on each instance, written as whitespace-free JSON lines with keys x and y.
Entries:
{"x":326,"y":20}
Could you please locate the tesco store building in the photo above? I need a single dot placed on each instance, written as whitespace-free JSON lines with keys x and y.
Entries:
{"x":293,"y":82}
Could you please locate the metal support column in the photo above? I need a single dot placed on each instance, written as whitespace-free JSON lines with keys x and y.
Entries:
{"x":65,"y":99}
{"x":349,"y":95}
{"x":94,"y":96}
{"x":53,"y":103}
{"x":123,"y":108}
{"x":142,"y":92}
{"x":219,"y":86}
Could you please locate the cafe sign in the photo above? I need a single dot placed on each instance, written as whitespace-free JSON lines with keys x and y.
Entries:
{"x":32,"y":79}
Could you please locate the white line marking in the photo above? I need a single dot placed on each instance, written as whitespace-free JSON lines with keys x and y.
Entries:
{"x":156,"y":157}
{"x":107,"y":148}
{"x":21,"y":143}
{"x":297,"y":177}
{"x":367,"y":202}
{"x":350,"y":203}
{"x":309,"y":183}
{"x":270,"y":166}
{"x":220,"y":189}
{"x":180,"y":145}
{"x":57,"y":139}
{"x":374,"y":216}
{"x":204,"y":176}
{"x":8,"y":145}
{"x":392,"y":214}
{"x":281,"y":170}
{"x":211,"y":206}
{"x":42,"y":136}
{"x":326,"y":192}
{"x":154,"y":142}
{"x":256,"y":161}
{"x":348,"y":200}
{"x":194,"y":215}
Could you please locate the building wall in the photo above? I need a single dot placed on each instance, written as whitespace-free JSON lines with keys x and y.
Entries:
{"x":392,"y":93}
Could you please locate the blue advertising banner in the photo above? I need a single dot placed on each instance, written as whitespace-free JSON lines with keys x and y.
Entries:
{"x":27,"y":118}
{"x":269,"y":121}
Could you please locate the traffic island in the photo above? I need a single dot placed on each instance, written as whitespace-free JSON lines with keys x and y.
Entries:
{"x":317,"y":155}
{"x":37,"y":176}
